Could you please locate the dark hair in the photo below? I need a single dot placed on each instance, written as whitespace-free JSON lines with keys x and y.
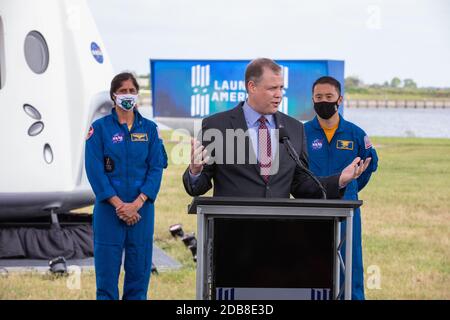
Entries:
{"x":328,"y":80}
{"x":255,"y":69}
{"x":116,"y":82}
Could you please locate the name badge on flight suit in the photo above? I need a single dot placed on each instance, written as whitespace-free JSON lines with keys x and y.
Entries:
{"x":137,"y":137}
{"x":344,"y":145}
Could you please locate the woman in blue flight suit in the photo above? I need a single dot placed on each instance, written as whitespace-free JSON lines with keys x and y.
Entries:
{"x":333,"y":143}
{"x":124,"y":161}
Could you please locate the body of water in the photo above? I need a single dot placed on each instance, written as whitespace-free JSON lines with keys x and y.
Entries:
{"x":386,"y":122}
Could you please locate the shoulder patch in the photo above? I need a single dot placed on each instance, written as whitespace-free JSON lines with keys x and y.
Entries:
{"x":159,"y":133}
{"x":367,"y":142}
{"x":90,"y":132}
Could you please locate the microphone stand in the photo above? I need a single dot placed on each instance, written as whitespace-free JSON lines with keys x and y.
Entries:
{"x":296,"y":158}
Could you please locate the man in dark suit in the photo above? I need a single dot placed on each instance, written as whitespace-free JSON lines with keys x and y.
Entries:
{"x":241,"y":152}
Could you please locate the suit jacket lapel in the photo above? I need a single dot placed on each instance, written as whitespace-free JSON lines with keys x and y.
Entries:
{"x":238,"y":119}
{"x":238,"y":122}
{"x":280,"y":155}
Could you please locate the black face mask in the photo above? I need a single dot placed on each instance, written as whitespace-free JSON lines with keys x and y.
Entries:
{"x":325,"y":109}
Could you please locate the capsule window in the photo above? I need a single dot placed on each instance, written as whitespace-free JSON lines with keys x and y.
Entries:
{"x":32,"y":111}
{"x":48,"y":153}
{"x":36,"y":52}
{"x":36,"y":128}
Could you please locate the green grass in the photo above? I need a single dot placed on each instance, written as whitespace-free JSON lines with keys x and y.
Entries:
{"x":406,"y":219}
{"x":406,"y":230}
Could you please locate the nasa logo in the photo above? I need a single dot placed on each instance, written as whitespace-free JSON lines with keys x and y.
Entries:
{"x":117,"y":138}
{"x":317,"y":144}
{"x":96,"y":52}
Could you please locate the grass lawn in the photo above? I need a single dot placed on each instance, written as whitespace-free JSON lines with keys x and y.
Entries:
{"x":406,"y":230}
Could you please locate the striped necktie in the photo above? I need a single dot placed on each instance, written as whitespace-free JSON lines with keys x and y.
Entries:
{"x":264,"y":149}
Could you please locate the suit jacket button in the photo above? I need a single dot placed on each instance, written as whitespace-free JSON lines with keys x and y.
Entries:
{"x":267,"y":188}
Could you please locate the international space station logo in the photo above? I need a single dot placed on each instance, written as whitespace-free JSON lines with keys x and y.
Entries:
{"x":200,"y":80}
{"x":206,"y":92}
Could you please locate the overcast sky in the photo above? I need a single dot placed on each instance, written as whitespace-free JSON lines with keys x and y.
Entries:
{"x":378,"y":39}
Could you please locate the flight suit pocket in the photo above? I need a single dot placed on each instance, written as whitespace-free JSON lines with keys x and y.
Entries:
{"x":139,"y":151}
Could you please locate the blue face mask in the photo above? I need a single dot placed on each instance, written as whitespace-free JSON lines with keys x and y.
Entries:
{"x":126,"y":101}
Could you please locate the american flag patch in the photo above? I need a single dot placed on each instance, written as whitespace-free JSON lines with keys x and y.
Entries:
{"x":367,"y":142}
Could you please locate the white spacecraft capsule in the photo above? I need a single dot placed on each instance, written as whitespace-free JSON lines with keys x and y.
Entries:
{"x":54,"y":81}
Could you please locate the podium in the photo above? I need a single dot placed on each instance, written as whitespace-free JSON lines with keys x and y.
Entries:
{"x":271,"y":249}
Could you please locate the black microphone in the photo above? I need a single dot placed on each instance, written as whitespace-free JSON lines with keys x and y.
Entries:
{"x":284,"y":139}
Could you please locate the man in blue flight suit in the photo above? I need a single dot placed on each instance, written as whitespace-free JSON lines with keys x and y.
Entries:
{"x":332,"y":144}
{"x":124,"y":160}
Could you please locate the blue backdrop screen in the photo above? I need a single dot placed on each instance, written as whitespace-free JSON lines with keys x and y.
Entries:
{"x":198,"y":88}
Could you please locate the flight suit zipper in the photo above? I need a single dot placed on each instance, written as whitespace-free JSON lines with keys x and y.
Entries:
{"x":328,"y":146}
{"x":127,"y":137}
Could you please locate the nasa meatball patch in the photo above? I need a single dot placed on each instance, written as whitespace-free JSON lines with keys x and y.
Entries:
{"x":317,"y":144}
{"x":117,"y":138}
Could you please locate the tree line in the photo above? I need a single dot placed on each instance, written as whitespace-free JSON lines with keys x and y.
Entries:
{"x":395,"y":87}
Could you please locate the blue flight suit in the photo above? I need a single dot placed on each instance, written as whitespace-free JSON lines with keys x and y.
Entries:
{"x":122,"y":162}
{"x":349,"y":141}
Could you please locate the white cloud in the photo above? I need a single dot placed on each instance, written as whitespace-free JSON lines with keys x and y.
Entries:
{"x":377,"y":39}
